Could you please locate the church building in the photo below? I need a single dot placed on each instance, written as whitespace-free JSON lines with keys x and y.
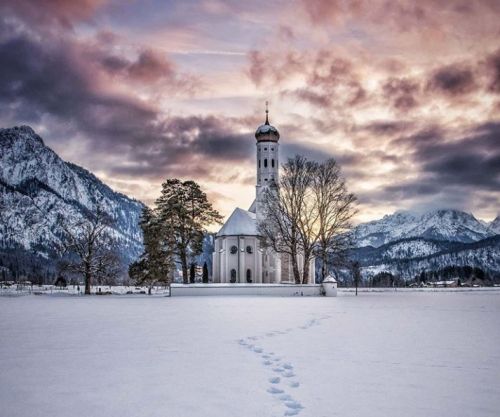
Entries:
{"x":238,"y":256}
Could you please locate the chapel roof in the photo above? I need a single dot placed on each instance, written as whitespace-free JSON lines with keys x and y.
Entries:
{"x":240,"y":222}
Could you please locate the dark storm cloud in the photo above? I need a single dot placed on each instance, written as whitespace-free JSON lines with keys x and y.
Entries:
{"x":33,"y":86}
{"x":452,"y":80}
{"x":33,"y":83}
{"x":469,"y":163}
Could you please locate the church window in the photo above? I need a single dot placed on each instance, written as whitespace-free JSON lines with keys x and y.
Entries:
{"x":265,"y":162}
{"x":259,"y":163}
{"x":265,"y":149}
{"x":249,"y":276}
{"x":249,"y":249}
{"x":272,"y":163}
{"x":272,"y":149}
{"x":233,"y":276}
{"x":234,"y":249}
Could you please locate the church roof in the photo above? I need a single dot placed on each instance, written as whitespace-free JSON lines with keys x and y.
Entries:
{"x":241,"y":222}
{"x":253,"y":207}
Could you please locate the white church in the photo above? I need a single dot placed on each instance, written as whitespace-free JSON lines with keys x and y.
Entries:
{"x":238,"y":256}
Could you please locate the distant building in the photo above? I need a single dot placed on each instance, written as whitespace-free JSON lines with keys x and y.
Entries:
{"x":238,"y":256}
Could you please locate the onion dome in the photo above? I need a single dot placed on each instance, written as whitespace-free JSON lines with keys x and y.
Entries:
{"x":267,"y":132}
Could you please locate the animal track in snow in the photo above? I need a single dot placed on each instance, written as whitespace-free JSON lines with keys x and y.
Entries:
{"x":274,"y":380}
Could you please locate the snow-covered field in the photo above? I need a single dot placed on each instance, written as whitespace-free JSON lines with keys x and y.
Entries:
{"x":381,"y":354}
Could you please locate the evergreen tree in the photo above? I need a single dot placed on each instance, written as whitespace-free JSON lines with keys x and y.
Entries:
{"x":156,"y":262}
{"x":205,"y":273}
{"x":192,"y":273}
{"x":184,"y":213}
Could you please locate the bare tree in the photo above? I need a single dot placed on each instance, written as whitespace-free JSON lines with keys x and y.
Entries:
{"x":290,"y":215}
{"x":308,"y":214}
{"x":335,"y":207}
{"x":89,"y":249}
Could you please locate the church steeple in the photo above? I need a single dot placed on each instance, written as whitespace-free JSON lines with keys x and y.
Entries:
{"x":267,"y":160}
{"x":267,"y":132}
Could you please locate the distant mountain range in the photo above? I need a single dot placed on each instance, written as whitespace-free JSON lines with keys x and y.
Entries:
{"x":405,"y":243}
{"x":36,"y":186}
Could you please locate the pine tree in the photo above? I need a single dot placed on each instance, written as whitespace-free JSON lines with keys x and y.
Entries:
{"x":156,"y":262}
{"x":205,"y":273}
{"x":184,"y":213}
{"x":192,"y":273}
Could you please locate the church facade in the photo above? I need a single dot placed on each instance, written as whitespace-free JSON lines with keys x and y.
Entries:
{"x":238,"y":255}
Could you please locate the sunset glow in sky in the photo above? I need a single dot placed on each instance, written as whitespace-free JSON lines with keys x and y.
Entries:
{"x":404,"y":94}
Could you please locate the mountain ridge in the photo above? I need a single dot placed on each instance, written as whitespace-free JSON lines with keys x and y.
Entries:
{"x":36,"y":186}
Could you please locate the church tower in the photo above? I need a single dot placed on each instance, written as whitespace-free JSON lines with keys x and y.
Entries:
{"x":267,"y":160}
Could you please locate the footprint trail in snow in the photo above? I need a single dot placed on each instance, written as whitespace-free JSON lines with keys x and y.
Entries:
{"x":283,"y":375}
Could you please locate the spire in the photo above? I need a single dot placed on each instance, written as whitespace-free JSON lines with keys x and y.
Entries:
{"x":267,"y":113}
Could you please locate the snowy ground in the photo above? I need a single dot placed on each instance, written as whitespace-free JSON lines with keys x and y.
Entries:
{"x":382,"y":354}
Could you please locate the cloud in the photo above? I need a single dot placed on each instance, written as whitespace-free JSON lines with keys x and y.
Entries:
{"x":493,"y":70}
{"x":452,"y":80}
{"x":34,"y":89}
{"x":401,"y":93}
{"x":470,"y":162}
{"x":63,"y":13}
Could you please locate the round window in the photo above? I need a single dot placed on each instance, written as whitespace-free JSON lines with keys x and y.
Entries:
{"x":234,"y":249}
{"x":249,"y":249}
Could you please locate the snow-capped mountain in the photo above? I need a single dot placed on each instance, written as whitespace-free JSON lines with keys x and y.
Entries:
{"x":447,"y":225}
{"x":494,"y":226}
{"x":37,"y":186}
{"x":405,"y":244}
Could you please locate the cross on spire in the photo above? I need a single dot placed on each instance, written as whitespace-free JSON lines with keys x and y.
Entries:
{"x":267,"y":112}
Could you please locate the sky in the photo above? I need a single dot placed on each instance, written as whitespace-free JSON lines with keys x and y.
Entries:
{"x":404,"y":95}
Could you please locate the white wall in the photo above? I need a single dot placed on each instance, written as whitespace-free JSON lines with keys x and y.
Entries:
{"x":275,"y":290}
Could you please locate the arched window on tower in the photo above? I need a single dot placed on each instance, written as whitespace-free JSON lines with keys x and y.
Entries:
{"x":233,"y":276}
{"x":265,"y":162}
{"x":249,"y":275}
{"x":259,"y":163}
{"x":272,"y":163}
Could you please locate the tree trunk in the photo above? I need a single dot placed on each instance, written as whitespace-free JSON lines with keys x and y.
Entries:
{"x":185,"y":272}
{"x":295,"y":268}
{"x":324,"y":260}
{"x":305,"y":270}
{"x":88,"y":279}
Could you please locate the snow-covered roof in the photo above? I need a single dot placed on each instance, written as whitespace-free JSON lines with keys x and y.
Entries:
{"x":330,"y":278}
{"x":240,"y":222}
{"x":253,"y":207}
{"x":266,"y":132}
